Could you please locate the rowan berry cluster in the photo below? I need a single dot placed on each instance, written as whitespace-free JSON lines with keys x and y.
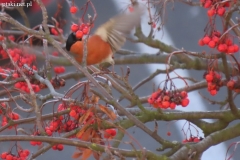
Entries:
{"x":24,"y":87}
{"x":36,"y":143}
{"x":224,"y":44}
{"x":216,"y":6}
{"x":7,"y":115}
{"x":168,"y":99}
{"x":59,"y":147}
{"x":192,"y":139}
{"x":214,"y":81}
{"x":55,"y":31}
{"x":109,"y":133}
{"x":80,"y":30}
{"x":21,"y":155}
{"x":234,"y":85}
{"x":59,"y":69}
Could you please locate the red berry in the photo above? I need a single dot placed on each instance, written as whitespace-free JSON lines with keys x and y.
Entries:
{"x":209,"y":78}
{"x":165,"y":104}
{"x":130,"y":8}
{"x":221,"y":11}
{"x":9,"y":157}
{"x":72,"y":113}
{"x":206,"y":39}
{"x":150,"y":100}
{"x":1,"y":37}
{"x":55,"y":53}
{"x":79,"y":34}
{"x":27,"y":152}
{"x":109,"y":133}
{"x":172,"y":105}
{"x":200,"y":42}
{"x":169,"y":133}
{"x":222,"y":47}
{"x":185,"y":141}
{"x":15,"y":116}
{"x":74,"y":27}
{"x":85,"y":30}
{"x":11,"y":38}
{"x":60,"y":147}
{"x":153,"y":25}
{"x":228,"y":42}
{"x":73,"y":9}
{"x":196,"y":139}
{"x":183,"y":94}
{"x":230,"y":49}
{"x":208,"y":4}
{"x":211,"y":12}
{"x":211,"y":44}
{"x":185,"y":102}
{"x":49,"y":132}
{"x":54,"y":147}
{"x":3,"y":155}
{"x":23,"y":154}
{"x":213,"y":92}
{"x":33,"y":143}
{"x":215,"y":39}
{"x":236,"y":48}
{"x":17,"y":85}
{"x":230,"y":84}
{"x":54,"y":31}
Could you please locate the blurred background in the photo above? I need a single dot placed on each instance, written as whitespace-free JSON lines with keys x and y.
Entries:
{"x":184,"y":26}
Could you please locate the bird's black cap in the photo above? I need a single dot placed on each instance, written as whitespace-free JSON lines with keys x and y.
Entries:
{"x":71,"y":40}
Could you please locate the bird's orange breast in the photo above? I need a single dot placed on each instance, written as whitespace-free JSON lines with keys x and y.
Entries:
{"x":98,"y":50}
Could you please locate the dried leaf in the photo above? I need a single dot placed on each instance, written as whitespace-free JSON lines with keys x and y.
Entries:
{"x":77,"y":154}
{"x":87,"y":135}
{"x":96,"y":155}
{"x":82,"y":131}
{"x":86,"y":154}
{"x":108,"y":112}
{"x":84,"y":128}
{"x":95,"y":99}
{"x":85,"y":116}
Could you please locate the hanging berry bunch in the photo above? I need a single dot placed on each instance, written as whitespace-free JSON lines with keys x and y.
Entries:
{"x":80,"y":30}
{"x":234,"y":85}
{"x":168,"y":99}
{"x":222,"y":44}
{"x":214,"y":81}
{"x":20,"y":155}
{"x":216,"y":6}
{"x":192,"y":139}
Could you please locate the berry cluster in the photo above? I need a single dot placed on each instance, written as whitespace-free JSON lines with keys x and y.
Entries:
{"x":224,"y":45}
{"x":192,"y":139}
{"x":22,"y":58}
{"x":7,"y":115}
{"x":234,"y":85}
{"x":22,"y":155}
{"x":23,"y":86}
{"x":109,"y":133}
{"x":213,"y":81}
{"x":36,"y":143}
{"x":59,"y":69}
{"x":80,"y":30}
{"x":59,"y":147}
{"x":167,"y":99}
{"x":55,"y":31}
{"x":215,"y":6}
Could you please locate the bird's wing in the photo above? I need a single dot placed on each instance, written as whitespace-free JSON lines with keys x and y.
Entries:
{"x":114,"y":31}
